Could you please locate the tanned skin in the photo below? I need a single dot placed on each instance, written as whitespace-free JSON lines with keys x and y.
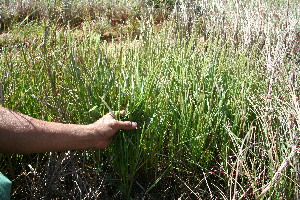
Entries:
{"x":21,"y":133}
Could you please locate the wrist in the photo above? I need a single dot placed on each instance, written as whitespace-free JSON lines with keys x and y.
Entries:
{"x":89,"y":138}
{"x":99,"y":137}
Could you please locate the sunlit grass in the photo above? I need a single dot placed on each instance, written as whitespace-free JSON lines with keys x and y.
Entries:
{"x":217,"y":117}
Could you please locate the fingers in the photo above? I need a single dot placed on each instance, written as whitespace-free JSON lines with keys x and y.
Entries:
{"x":122,"y":112}
{"x":126,"y":125}
{"x":115,"y":114}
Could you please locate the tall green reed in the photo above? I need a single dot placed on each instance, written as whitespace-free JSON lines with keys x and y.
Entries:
{"x":210,"y":116}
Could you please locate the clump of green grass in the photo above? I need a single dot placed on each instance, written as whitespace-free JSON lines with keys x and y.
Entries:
{"x":218,"y":116}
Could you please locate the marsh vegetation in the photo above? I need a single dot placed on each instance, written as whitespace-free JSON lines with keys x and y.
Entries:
{"x":213,"y":85}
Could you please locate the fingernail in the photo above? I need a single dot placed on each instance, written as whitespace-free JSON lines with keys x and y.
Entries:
{"x":134,"y":124}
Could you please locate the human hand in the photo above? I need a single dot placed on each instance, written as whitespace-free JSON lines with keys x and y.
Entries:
{"x":106,"y":127}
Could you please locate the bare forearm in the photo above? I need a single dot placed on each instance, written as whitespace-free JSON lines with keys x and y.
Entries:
{"x":23,"y":134}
